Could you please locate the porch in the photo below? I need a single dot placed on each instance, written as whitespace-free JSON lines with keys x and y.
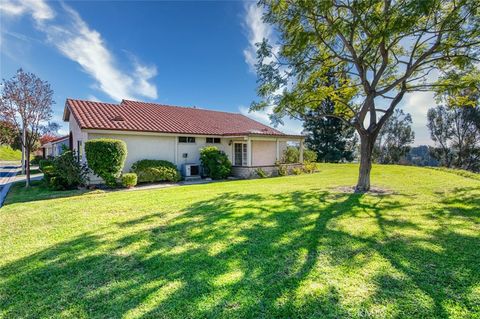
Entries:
{"x":250,"y":153}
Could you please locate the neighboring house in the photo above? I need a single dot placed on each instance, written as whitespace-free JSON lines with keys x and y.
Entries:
{"x":176,"y":134}
{"x":55,"y":147}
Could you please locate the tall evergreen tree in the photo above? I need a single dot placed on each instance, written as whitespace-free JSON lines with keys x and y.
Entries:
{"x":332,"y":139}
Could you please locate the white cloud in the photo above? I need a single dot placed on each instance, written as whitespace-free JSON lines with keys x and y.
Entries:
{"x":39,"y":10}
{"x":256,"y":31}
{"x":85,"y":46}
{"x":290,"y":126}
{"x":417,"y":104}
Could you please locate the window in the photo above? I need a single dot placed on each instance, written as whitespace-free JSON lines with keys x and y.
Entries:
{"x":186,"y":139}
{"x":213,"y":140}
{"x":240,"y":152}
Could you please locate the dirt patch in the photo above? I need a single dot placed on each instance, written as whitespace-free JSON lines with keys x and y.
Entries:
{"x":373,"y":190}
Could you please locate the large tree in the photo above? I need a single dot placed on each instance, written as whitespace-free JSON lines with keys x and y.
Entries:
{"x":379,"y":50}
{"x":26,"y":101}
{"x":394,"y":138}
{"x":330,"y":138}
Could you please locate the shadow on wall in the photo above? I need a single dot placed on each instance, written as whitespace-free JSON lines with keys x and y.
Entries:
{"x":288,"y":255}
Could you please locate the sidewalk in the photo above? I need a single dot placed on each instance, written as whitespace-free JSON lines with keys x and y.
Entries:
{"x":7,"y":176}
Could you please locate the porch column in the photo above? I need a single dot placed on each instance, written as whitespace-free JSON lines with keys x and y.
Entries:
{"x":249,"y":152}
{"x":301,"y":151}
{"x":277,"y":156}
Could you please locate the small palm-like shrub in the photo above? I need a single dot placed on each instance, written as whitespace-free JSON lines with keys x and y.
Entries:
{"x":297,"y":171}
{"x":291,"y":155}
{"x":129,"y":180}
{"x":106,"y":158}
{"x":215,"y":162}
{"x":149,"y":171}
{"x":310,"y":167}
{"x":282,"y":169}
{"x":261,"y":173}
{"x":309,"y":156}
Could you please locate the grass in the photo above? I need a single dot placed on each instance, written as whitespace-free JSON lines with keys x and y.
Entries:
{"x":39,"y":191}
{"x":9,"y":154}
{"x":289,"y":247}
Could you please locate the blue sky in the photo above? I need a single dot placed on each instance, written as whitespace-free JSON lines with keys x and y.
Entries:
{"x":181,"y":53}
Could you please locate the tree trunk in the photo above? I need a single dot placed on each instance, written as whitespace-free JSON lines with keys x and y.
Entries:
{"x":366,"y":148}
{"x":27,"y":166}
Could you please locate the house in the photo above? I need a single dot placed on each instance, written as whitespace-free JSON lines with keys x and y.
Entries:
{"x":176,"y":134}
{"x":55,"y":147}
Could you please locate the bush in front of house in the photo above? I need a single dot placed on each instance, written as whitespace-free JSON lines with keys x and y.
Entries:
{"x":261,"y":173}
{"x":106,"y":157}
{"x":44,"y":163}
{"x":309,"y":156}
{"x":149,"y":171}
{"x":297,"y":170}
{"x":129,"y":180}
{"x":215,"y":162}
{"x":64,"y":172}
{"x":36,"y":160}
{"x":291,"y":155}
{"x":310,"y":167}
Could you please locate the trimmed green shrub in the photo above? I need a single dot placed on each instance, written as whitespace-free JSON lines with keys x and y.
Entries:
{"x":106,"y":157}
{"x":129,"y":180}
{"x":149,"y":171}
{"x":215,"y":162}
{"x":261,"y":173}
{"x":309,"y":156}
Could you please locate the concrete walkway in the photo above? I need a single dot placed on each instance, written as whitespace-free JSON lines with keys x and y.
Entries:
{"x":7,"y":176}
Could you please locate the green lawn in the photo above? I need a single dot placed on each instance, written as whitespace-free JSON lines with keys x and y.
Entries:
{"x":9,"y":154}
{"x":290,"y":247}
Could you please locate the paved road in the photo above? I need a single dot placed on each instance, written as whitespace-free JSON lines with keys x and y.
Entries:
{"x":7,"y":176}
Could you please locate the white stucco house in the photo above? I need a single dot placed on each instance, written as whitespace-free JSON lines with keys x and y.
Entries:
{"x":54,"y":147}
{"x":176,"y":134}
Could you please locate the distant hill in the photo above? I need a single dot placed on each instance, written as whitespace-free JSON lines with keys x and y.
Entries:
{"x":9,"y":154}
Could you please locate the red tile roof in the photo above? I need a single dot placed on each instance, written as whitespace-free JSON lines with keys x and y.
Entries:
{"x":58,"y":139}
{"x":152,"y":117}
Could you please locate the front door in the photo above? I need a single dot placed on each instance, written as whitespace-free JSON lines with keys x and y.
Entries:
{"x":240,"y":154}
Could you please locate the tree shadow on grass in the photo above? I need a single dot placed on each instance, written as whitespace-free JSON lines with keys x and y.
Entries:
{"x":244,"y":255}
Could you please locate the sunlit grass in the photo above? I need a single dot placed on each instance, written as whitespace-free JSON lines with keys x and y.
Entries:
{"x":282,"y":247}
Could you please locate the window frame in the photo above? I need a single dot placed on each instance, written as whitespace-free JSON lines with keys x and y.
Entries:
{"x":214,"y":140}
{"x":188,"y":139}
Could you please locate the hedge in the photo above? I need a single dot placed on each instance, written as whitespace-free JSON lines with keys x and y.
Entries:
{"x":149,"y":171}
{"x":106,"y":157}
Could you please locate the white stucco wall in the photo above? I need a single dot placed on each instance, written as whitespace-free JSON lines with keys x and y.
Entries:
{"x":265,"y":152}
{"x":193,"y":150}
{"x":143,"y":147}
{"x":77,"y":135}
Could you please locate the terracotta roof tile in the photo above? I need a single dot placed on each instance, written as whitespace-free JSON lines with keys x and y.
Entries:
{"x":153,"y":117}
